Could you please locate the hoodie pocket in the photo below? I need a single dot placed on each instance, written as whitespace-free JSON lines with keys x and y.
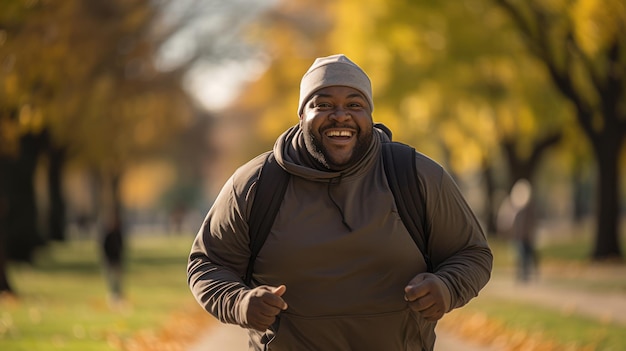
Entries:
{"x":397,"y":330}
{"x":425,"y":333}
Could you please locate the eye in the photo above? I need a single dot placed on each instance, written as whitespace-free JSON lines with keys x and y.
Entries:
{"x":323,"y":105}
{"x":355,"y":105}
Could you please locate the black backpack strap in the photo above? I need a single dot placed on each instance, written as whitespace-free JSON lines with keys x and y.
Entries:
{"x":401,"y":171}
{"x":270,"y":190}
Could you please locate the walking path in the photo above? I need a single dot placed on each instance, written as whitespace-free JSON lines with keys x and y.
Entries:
{"x":604,"y":306}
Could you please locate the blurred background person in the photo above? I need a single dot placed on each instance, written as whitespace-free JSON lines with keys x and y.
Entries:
{"x":113,"y":257}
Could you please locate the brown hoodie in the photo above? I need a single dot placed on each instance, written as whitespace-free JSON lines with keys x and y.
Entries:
{"x":340,"y":247}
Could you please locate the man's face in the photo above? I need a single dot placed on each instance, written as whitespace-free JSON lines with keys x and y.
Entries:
{"x":337,"y":124}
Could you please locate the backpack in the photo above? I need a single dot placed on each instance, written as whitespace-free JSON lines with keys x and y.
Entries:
{"x":401,"y":172}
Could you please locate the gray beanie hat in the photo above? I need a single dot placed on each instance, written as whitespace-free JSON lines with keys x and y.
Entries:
{"x":332,"y":71}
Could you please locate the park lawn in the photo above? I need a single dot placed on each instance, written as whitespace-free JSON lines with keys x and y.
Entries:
{"x":63,"y":302}
{"x":524,"y":326}
{"x":568,"y":265}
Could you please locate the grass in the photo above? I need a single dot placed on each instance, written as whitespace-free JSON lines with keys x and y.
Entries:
{"x":63,"y":302}
{"x":525,"y":326}
{"x":542,"y":326}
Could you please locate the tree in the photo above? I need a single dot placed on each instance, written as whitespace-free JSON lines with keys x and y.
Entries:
{"x":78,"y":81}
{"x":581,"y":43}
{"x":91,"y":83}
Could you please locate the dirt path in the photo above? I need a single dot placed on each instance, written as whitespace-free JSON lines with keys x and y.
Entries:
{"x":605,"y":307}
{"x":222,"y":337}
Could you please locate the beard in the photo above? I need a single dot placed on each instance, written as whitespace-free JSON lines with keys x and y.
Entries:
{"x":316,"y":148}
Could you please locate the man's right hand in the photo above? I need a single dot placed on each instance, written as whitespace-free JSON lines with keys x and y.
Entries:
{"x":263,"y":304}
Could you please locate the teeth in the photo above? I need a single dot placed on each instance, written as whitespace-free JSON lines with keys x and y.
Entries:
{"x":342,"y":133}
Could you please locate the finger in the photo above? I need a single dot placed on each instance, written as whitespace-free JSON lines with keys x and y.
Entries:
{"x":275,"y":299}
{"x":414,"y":292}
{"x":279,"y":290}
{"x":422,"y":304}
{"x":260,"y":321}
{"x":270,"y":311}
{"x":432,"y":313}
{"x":418,"y":279}
{"x":265,"y":320}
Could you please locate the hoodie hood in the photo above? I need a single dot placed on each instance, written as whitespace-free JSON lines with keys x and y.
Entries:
{"x":291,"y":153}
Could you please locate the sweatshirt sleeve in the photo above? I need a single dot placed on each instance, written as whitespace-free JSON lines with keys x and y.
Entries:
{"x":219,"y":254}
{"x":457,"y":244}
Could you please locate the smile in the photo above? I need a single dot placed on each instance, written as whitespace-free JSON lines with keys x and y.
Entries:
{"x":339,"y":133}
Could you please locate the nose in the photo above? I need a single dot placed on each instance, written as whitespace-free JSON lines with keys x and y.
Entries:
{"x":340,"y":114}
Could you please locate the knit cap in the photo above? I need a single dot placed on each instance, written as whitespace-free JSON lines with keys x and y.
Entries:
{"x":332,"y":71}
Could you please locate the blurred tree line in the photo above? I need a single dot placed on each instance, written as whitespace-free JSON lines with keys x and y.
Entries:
{"x":583,"y":47}
{"x":496,"y":88}
{"x":76,"y":84}
{"x":80,"y":84}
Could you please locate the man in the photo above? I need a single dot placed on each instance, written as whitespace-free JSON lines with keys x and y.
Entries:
{"x":339,"y":270}
{"x":113,"y":255}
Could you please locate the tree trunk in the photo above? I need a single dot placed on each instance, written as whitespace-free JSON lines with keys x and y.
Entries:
{"x":607,"y":245}
{"x":490,"y":207}
{"x":56,"y":157}
{"x":5,"y":286}
{"x":581,"y":190}
{"x":23,"y":237}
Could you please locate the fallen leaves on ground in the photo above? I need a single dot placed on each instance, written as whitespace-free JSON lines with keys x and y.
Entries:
{"x":478,"y":328}
{"x":178,"y":333}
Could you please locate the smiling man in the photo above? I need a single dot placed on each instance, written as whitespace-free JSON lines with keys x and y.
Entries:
{"x":339,"y":269}
{"x":336,"y":103}
{"x":337,"y":126}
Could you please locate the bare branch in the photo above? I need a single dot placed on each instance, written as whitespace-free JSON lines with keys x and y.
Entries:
{"x":523,"y":25}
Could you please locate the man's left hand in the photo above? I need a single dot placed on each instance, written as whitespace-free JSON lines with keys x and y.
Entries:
{"x":428,"y":295}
